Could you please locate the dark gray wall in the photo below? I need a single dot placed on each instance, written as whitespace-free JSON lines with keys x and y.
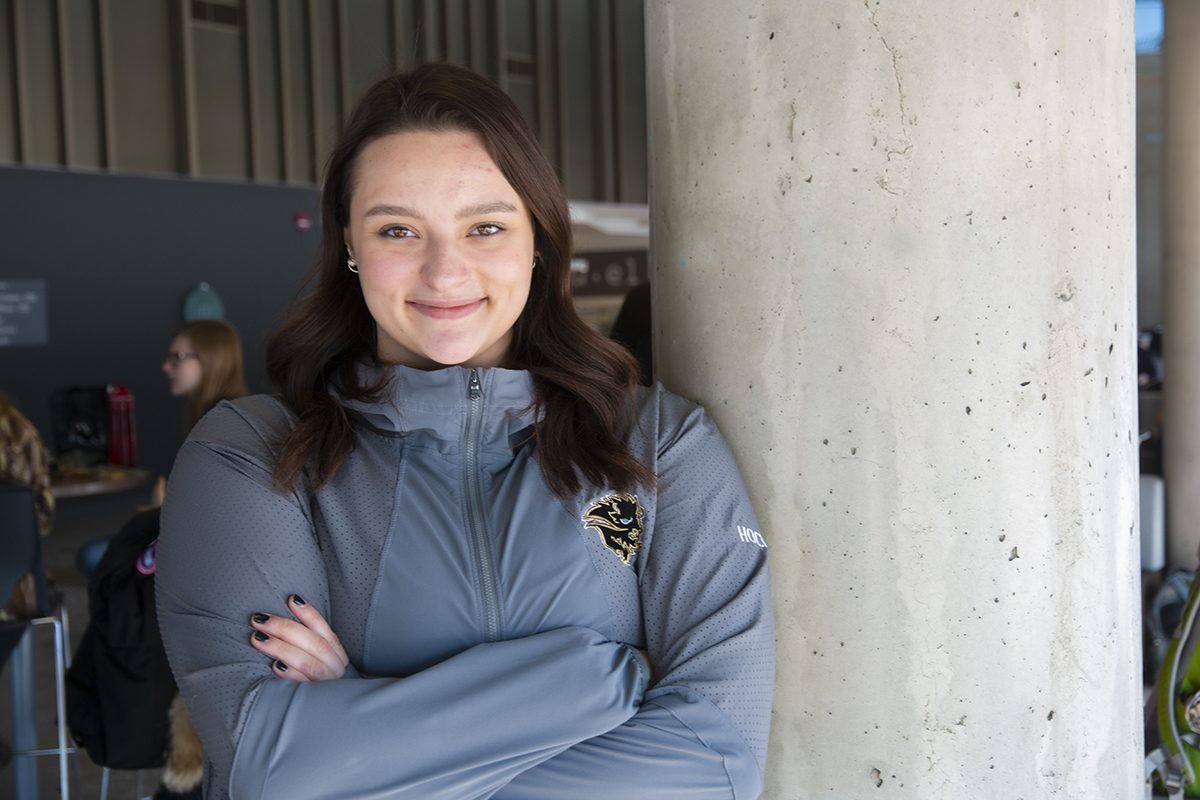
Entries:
{"x":119,"y":253}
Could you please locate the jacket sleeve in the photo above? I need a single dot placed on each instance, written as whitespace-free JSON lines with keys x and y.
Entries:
{"x":706,"y":607}
{"x":233,"y":545}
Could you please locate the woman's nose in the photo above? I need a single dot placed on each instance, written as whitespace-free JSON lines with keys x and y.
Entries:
{"x":444,"y":269}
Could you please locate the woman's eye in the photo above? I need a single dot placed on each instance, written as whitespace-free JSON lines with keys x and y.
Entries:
{"x":398,"y":232}
{"x":486,"y":229}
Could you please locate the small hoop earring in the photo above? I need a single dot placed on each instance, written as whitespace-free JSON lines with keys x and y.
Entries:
{"x":535,"y":262}
{"x":352,"y":265}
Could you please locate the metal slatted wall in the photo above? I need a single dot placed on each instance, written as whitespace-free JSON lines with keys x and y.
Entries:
{"x":256,"y":89}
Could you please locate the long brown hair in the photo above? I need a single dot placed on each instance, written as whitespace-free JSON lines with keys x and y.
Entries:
{"x":219,"y":351}
{"x":584,"y":383}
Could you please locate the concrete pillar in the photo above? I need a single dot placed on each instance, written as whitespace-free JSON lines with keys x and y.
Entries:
{"x":893,"y":254}
{"x":1181,"y":336}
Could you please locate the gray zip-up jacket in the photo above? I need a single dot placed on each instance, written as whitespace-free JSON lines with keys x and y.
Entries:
{"x":490,"y":625}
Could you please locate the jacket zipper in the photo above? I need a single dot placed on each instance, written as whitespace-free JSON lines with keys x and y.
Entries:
{"x":475,"y":514}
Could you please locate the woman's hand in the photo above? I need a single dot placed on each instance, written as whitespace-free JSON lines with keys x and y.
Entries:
{"x":303,"y":651}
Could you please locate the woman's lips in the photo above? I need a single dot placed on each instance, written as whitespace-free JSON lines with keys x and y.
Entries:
{"x":450,"y":309}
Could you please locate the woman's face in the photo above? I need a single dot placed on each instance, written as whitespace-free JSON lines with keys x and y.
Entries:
{"x":182,"y":367}
{"x":444,"y":247}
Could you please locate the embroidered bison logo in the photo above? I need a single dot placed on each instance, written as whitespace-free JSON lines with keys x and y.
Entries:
{"x":618,"y":520}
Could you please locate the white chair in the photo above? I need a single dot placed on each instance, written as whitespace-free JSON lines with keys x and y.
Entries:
{"x":138,"y":792}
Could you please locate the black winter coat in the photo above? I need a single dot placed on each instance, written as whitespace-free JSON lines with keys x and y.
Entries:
{"x":119,"y":686}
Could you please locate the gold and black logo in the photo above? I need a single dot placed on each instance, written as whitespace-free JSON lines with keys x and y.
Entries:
{"x":618,"y":520}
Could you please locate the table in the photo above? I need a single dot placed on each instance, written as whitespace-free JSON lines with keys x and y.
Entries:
{"x":104,"y":479}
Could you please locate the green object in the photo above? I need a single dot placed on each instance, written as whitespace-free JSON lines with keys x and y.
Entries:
{"x":1175,"y":767}
{"x":202,"y":302}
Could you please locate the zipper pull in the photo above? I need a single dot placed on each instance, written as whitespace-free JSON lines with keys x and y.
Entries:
{"x":474,"y":388}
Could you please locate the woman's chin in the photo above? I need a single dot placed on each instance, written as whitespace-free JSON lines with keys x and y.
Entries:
{"x":431,"y":358}
{"x":476,"y":353}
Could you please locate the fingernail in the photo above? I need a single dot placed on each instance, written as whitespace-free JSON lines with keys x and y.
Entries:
{"x":282,"y":667}
{"x":262,"y":637}
{"x":298,"y":600}
{"x":261,"y":619}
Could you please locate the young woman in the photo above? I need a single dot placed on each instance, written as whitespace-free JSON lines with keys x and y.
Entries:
{"x":204,"y":364}
{"x":538,"y":573}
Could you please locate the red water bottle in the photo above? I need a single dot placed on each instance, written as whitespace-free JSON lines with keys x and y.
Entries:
{"x":122,"y":432}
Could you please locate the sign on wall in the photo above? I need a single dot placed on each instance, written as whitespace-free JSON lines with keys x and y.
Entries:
{"x":23,"y":313}
{"x":608,"y":273}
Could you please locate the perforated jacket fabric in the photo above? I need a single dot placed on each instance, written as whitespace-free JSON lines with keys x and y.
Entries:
{"x":491,"y":625}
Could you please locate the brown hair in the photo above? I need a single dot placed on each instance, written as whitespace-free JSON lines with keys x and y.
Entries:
{"x":219,"y":351}
{"x":584,"y":383}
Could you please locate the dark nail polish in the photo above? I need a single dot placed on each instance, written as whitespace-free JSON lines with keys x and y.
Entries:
{"x":262,"y":637}
{"x":298,"y":600}
{"x":282,"y":667}
{"x":261,"y":619}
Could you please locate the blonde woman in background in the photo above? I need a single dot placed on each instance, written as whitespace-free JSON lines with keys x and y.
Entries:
{"x":204,"y":365}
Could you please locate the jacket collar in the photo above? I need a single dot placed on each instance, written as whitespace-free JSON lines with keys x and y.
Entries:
{"x":438,"y":403}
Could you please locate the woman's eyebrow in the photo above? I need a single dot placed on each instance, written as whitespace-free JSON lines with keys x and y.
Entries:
{"x":483,"y":209}
{"x":391,"y":211}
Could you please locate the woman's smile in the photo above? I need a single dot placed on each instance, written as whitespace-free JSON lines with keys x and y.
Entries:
{"x":447,"y":309}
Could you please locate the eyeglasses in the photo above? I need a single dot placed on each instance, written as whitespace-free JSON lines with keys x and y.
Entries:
{"x":180,"y":357}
